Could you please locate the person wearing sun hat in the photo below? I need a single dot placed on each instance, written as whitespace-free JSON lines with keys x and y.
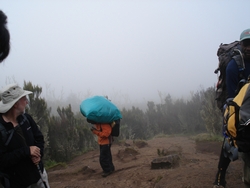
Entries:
{"x":232,"y":80}
{"x":10,"y":95}
{"x":21,"y":153}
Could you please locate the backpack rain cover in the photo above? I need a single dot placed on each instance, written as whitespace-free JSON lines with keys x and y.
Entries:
{"x":100,"y":110}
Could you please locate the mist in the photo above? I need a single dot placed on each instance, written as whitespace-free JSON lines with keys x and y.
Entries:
{"x":130,"y":51}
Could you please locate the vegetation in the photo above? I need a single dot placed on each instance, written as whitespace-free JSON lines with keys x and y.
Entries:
{"x":51,"y":164}
{"x":207,"y":137}
{"x":67,"y":134}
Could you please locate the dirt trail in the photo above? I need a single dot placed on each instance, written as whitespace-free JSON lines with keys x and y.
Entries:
{"x":196,"y":169}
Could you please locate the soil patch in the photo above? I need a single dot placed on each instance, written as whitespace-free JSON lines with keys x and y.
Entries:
{"x":197,"y":167}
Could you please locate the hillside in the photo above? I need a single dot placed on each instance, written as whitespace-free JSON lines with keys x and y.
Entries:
{"x":196,"y":169}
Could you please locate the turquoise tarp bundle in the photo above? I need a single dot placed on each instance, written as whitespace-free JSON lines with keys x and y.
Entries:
{"x":99,"y":109}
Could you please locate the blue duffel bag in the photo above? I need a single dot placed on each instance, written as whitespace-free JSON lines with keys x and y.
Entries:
{"x":100,"y":110}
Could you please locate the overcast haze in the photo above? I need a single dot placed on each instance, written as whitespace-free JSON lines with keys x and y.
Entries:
{"x":123,"y":49}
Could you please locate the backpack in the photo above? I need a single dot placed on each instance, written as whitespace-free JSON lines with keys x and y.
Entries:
{"x":115,"y":126}
{"x":236,"y":119}
{"x":225,"y":53}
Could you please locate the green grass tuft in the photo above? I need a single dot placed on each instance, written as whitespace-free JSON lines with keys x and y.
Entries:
{"x":207,"y":137}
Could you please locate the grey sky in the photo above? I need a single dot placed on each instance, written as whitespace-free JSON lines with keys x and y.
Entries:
{"x":125,"y":48}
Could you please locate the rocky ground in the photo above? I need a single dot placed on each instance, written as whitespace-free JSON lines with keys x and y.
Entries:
{"x":195,"y":168}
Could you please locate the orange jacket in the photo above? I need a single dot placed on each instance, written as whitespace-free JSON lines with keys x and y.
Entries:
{"x":103,"y":132}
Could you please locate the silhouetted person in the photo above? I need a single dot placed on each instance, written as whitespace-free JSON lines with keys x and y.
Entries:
{"x":4,"y":37}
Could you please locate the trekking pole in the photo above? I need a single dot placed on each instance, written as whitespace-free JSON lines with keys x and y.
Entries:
{"x":41,"y":176}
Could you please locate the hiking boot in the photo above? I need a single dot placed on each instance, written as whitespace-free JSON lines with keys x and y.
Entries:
{"x":218,"y":186}
{"x":222,"y":184}
{"x":105,"y":174}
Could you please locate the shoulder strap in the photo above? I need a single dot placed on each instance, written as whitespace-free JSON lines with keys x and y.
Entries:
{"x":3,"y":132}
{"x":11,"y":132}
{"x":239,"y":59}
{"x":24,"y":119}
{"x":6,"y":139}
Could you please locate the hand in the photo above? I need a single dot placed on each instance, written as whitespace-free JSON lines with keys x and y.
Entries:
{"x":36,"y":160}
{"x":35,"y":151}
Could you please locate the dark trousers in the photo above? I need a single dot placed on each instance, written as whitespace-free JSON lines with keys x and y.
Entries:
{"x":106,"y":158}
{"x":222,"y":166}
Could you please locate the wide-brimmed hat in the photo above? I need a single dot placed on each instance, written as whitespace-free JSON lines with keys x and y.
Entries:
{"x":245,"y":35}
{"x":10,"y":95}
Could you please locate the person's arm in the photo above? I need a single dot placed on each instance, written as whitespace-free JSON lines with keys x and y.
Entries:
{"x":104,"y":132}
{"x":37,"y":134}
{"x":232,"y":78}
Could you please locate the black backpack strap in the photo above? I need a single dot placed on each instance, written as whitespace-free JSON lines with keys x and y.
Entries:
{"x":4,"y":180}
{"x":239,"y":60}
{"x":10,"y":132}
{"x":3,"y":133}
{"x":23,"y":120}
{"x":241,"y":83}
{"x":5,"y":138}
{"x":7,"y":135}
